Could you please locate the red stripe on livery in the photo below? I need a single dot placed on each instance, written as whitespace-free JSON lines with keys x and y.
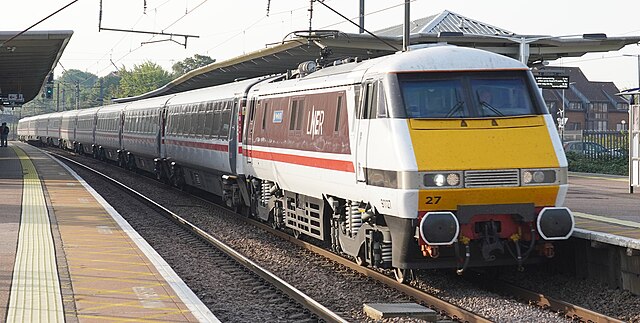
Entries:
{"x":339,"y":165}
{"x":203,"y":145}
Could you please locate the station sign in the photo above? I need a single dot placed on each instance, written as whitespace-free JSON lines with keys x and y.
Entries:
{"x":15,"y":97}
{"x":552,"y":82}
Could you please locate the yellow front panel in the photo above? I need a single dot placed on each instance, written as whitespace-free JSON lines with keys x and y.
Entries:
{"x":449,"y":199}
{"x":483,"y":144}
{"x":473,"y":144}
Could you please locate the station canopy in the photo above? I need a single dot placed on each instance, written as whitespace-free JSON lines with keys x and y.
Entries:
{"x":331,"y":45}
{"x":26,"y":61}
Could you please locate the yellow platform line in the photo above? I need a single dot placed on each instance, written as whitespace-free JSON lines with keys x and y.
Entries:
{"x":615,"y":179}
{"x":35,"y":289}
{"x":607,"y":220}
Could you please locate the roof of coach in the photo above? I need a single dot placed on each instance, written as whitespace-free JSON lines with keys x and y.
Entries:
{"x":152,"y":103}
{"x":238,"y":88}
{"x":27,"y":119}
{"x":444,"y":58}
{"x":111,"y":108}
{"x":89,"y":111}
{"x":70,"y":113}
{"x":53,"y":115}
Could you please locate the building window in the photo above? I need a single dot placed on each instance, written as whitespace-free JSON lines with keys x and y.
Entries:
{"x":597,"y":115}
{"x":575,"y":105}
{"x":622,"y":126}
{"x":573,"y":126}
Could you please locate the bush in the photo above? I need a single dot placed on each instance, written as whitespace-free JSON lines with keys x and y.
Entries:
{"x":612,"y":165}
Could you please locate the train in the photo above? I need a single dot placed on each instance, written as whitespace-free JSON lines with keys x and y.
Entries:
{"x":435,"y":157}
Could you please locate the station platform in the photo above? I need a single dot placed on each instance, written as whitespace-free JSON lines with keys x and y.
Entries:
{"x":604,"y":209}
{"x":67,"y":256}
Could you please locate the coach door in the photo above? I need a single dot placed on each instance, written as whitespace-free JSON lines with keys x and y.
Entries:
{"x":367,"y":103}
{"x":248,"y":143}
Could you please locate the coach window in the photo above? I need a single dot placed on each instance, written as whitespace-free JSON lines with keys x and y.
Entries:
{"x":195,"y":121}
{"x":187,"y":121}
{"x":292,"y":116}
{"x":368,"y":106}
{"x":372,"y":101}
{"x":186,"y":115}
{"x":179,"y":121}
{"x":338,"y":111}
{"x":226,"y":119}
{"x":382,"y":102}
{"x":264,"y":115}
{"x":175,"y":122}
{"x":217,"y":120}
{"x":135,"y":123}
{"x":169,"y":122}
{"x":297,"y":115}
{"x":208,"y":119}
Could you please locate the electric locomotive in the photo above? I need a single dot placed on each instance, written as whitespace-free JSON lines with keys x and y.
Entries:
{"x":443,"y":157}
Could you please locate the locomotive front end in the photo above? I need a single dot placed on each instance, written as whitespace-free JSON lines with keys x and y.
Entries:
{"x":492,"y":175}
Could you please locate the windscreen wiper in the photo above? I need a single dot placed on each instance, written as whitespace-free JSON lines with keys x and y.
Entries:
{"x":492,"y":109}
{"x":455,"y":109}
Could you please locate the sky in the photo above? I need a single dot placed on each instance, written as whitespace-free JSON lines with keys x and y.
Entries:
{"x":230,"y":28}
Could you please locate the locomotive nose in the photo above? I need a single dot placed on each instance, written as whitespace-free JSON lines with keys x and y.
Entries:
{"x":555,"y":223}
{"x":439,"y":228}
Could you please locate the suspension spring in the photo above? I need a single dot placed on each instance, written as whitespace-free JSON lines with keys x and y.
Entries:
{"x":354,"y":219}
{"x":386,"y":252}
{"x":266,"y":192}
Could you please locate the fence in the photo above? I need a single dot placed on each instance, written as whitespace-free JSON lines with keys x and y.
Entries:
{"x":607,"y":145}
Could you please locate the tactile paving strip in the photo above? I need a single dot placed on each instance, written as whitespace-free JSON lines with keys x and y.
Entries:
{"x":35,"y":289}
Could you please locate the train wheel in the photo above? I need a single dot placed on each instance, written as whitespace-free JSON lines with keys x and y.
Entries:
{"x":402,"y":275}
{"x":360,"y":258}
{"x":274,"y":223}
{"x":131,"y":163}
{"x":243,"y":210}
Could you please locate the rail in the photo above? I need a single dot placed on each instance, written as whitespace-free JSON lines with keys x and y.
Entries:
{"x":282,"y":285}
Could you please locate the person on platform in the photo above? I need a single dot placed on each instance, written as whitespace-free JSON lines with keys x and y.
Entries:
{"x":4,"y":134}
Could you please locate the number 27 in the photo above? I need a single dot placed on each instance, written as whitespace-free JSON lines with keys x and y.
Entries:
{"x":433,"y":199}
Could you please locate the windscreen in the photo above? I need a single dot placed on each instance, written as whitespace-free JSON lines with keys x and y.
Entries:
{"x":467,"y":95}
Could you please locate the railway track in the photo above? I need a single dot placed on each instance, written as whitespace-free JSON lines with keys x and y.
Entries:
{"x":445,"y":308}
{"x":572,"y":311}
{"x":229,"y":258}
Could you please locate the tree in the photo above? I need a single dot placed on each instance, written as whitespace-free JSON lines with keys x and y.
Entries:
{"x":76,"y":84}
{"x":110,"y":87}
{"x":190,"y":63}
{"x":145,"y":77}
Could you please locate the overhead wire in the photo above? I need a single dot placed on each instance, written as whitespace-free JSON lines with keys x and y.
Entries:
{"x":185,"y":14}
{"x":110,"y":51}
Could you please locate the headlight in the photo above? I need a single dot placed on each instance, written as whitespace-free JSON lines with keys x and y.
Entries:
{"x":442,"y":180}
{"x":438,"y":180}
{"x":453,"y":179}
{"x":539,"y":176}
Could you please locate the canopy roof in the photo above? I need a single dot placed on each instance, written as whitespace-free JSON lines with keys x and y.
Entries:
{"x":26,"y":61}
